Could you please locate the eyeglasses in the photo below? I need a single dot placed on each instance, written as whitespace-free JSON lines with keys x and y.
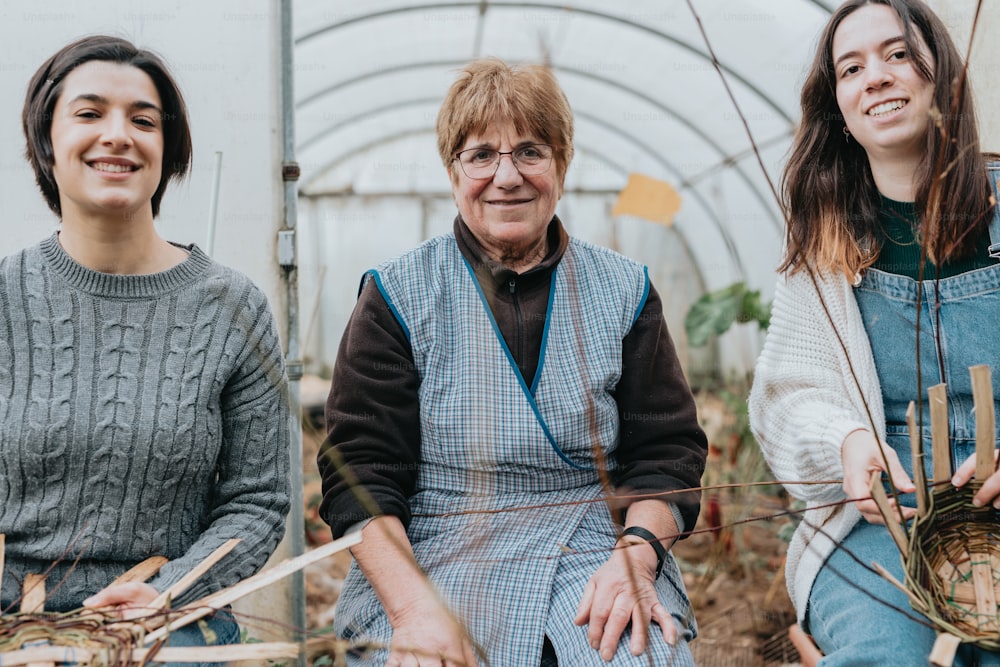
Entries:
{"x":481,"y":163}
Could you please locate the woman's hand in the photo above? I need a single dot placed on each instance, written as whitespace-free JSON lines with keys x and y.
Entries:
{"x":131,"y":600}
{"x":990,"y":492}
{"x":619,"y":593}
{"x":862,"y":459}
{"x":424,"y":632}
{"x":428,"y":635}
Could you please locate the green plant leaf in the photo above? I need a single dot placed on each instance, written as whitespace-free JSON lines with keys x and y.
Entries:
{"x":714,"y":313}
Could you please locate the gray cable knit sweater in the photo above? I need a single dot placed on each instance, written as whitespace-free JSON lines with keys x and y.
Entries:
{"x":139,"y":415}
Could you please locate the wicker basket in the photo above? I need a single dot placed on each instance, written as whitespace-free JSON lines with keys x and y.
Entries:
{"x":88,"y":638}
{"x":951,"y":551}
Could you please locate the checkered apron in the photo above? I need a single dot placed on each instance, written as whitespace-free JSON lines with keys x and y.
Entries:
{"x":508,"y":519}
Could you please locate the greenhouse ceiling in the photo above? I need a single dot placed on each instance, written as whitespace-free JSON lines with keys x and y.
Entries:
{"x":639,"y":74}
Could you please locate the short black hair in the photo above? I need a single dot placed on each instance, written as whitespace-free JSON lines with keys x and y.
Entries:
{"x":46,"y":86}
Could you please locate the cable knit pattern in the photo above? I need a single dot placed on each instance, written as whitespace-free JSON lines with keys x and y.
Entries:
{"x":805,"y":401}
{"x":139,"y":415}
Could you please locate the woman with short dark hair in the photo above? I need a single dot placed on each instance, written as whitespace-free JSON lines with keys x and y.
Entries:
{"x":47,"y":85}
{"x":142,"y":390}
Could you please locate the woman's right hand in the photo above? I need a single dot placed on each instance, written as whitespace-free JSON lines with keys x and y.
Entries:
{"x":862,"y":459}
{"x":131,"y":600}
{"x":429,"y":636}
{"x":424,"y":632}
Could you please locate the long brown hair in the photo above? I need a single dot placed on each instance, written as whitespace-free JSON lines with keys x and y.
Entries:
{"x":829,"y":196}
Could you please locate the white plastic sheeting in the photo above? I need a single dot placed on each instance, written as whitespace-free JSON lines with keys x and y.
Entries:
{"x":370,"y":78}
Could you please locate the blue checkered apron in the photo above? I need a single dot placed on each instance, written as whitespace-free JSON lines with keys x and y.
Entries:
{"x":508,"y":517}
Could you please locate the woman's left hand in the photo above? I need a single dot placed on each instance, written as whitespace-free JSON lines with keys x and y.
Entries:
{"x":991,"y":485}
{"x":622,"y":592}
{"x":131,"y":600}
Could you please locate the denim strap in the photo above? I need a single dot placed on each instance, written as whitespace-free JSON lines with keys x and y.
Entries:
{"x":993,"y":170}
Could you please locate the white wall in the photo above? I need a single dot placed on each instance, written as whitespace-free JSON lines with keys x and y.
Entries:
{"x":223,"y":54}
{"x":984,"y":61}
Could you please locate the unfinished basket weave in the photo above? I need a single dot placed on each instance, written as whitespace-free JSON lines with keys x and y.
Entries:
{"x":89,"y":638}
{"x":951,"y":551}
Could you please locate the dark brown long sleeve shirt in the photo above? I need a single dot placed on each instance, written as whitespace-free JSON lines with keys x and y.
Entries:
{"x":373,"y":412}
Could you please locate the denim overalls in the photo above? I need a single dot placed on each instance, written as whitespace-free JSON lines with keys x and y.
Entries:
{"x":959,"y":328}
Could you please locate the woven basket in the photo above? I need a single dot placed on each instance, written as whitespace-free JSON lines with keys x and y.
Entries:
{"x":951,"y":551}
{"x":88,"y":638}
{"x":952,"y":565}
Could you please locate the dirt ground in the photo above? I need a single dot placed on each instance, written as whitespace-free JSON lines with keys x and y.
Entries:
{"x":737,"y":590}
{"x":733,"y":574}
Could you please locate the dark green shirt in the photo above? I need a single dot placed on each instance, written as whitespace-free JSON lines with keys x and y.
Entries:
{"x":900,"y":254}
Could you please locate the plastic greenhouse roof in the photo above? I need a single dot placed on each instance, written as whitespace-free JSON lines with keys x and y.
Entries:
{"x":369,"y":79}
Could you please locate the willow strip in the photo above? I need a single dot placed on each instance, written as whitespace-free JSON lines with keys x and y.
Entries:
{"x":164,"y":598}
{"x":211,"y":603}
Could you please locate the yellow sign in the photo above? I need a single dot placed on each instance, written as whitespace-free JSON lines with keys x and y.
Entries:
{"x":648,"y":198}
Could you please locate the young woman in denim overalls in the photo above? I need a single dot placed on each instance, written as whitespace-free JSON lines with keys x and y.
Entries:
{"x":866,"y":245}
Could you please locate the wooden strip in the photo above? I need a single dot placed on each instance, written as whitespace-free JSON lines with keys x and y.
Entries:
{"x":220,"y":599}
{"x":986,"y":600}
{"x":945,"y":647}
{"x":45,"y":655}
{"x":891,"y":518}
{"x":49,"y":655}
{"x":808,"y":652}
{"x":982,"y":568}
{"x":917,"y":603}
{"x":939,"y":433}
{"x":917,"y":451}
{"x":142,"y":571}
{"x":33,"y":602}
{"x":194,"y":575}
{"x":225,"y":653}
{"x":982,"y":396}
{"x":33,"y":594}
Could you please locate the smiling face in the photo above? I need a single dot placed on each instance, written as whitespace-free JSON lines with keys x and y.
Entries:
{"x":107,"y":142}
{"x":885,"y":100}
{"x":509,"y":213}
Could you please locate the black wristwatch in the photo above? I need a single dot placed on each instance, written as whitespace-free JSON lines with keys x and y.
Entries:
{"x":653,"y":541}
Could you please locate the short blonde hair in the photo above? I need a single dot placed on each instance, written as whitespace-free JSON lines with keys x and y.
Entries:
{"x":490,"y":91}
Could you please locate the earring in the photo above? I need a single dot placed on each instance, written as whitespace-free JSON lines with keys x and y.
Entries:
{"x":847,"y":134}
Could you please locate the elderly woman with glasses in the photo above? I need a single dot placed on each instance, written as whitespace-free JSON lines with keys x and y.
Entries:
{"x":509,"y":426}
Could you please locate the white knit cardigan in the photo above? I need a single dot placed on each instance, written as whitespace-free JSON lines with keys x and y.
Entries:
{"x":809,"y":392}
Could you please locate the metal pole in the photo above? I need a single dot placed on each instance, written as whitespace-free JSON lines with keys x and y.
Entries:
{"x":287,"y":258}
{"x":213,"y":211}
